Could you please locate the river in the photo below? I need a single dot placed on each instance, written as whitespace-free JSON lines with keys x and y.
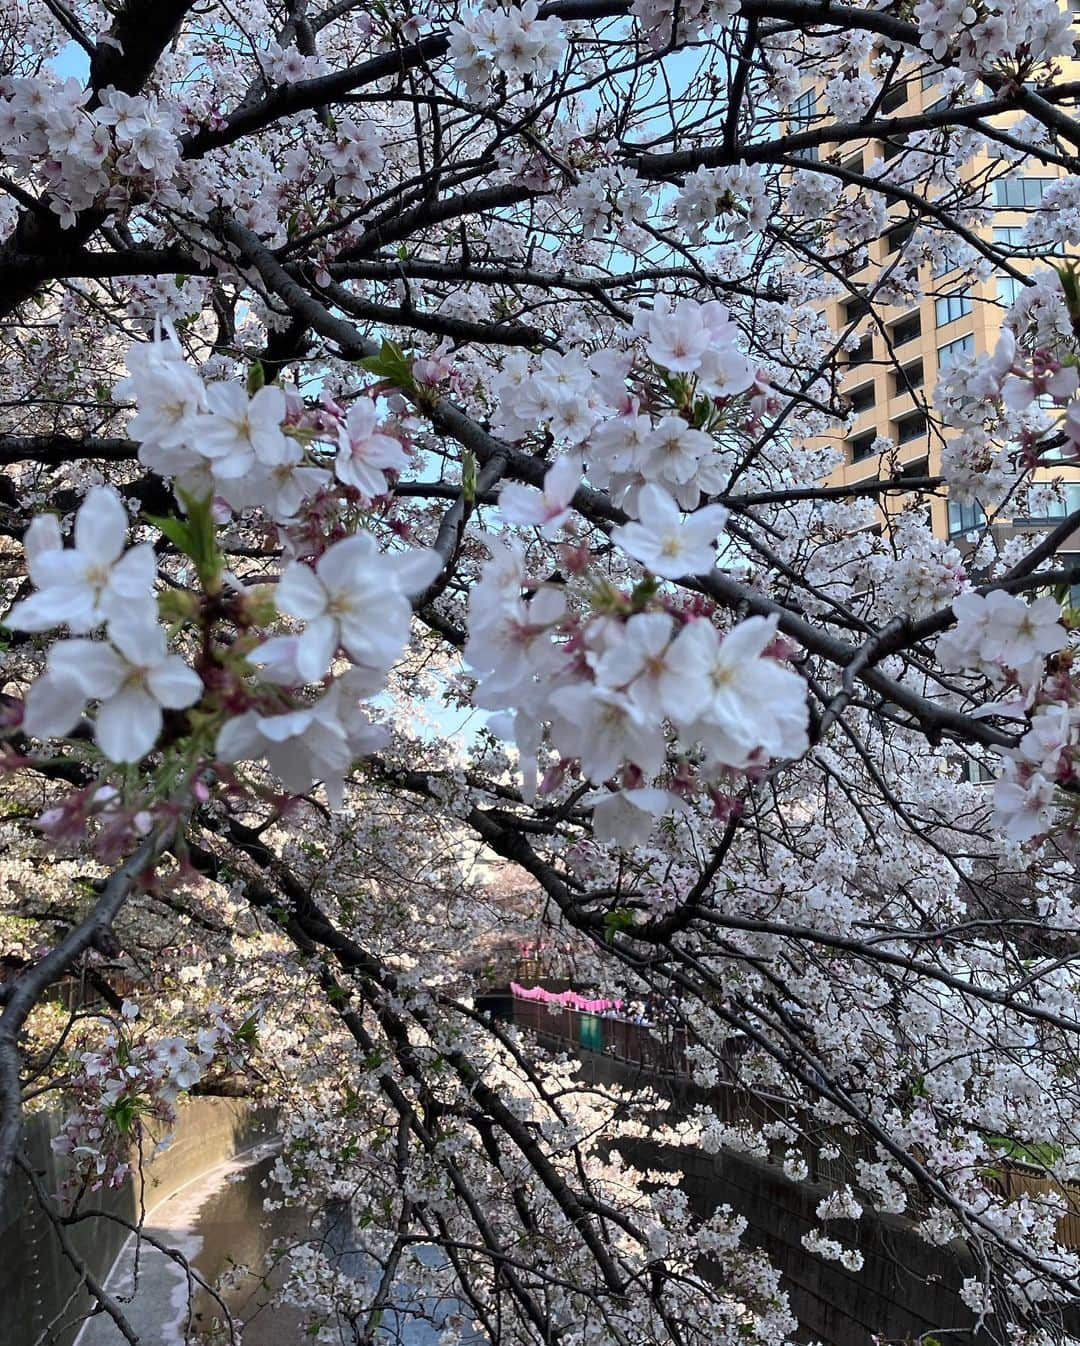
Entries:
{"x":218,"y":1223}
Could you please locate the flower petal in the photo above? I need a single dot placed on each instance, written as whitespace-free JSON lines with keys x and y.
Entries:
{"x":315,"y":648}
{"x":128,"y":725}
{"x":174,"y":684}
{"x":101,"y":526}
{"x":92,"y":665}
{"x":300,"y":593}
{"x":53,"y":706}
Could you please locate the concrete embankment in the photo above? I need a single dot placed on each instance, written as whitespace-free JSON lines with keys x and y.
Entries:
{"x":40,"y":1290}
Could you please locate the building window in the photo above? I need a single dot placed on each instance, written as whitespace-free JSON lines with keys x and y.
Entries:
{"x":1020,"y":193}
{"x":955,"y":350}
{"x":949,"y":307}
{"x":907,"y":379}
{"x":895,"y":97}
{"x":854,"y":309}
{"x":861,"y":399}
{"x":862,"y":446}
{"x":801,"y":116}
{"x":863,"y":352}
{"x":1010,"y":238}
{"x":976,"y":772}
{"x":911,"y":427}
{"x":898,"y":235}
{"x":965,"y":518}
{"x":919,"y":468}
{"x":905,"y":330}
{"x":1009,"y":289}
{"x":854,"y":164}
{"x":929,"y":78}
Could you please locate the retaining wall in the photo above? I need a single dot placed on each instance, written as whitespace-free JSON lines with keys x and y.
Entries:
{"x":40,"y":1292}
{"x":906,"y":1291}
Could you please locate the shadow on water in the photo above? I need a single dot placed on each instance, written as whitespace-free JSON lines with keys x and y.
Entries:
{"x":237,"y":1254}
{"x":242,"y":1253}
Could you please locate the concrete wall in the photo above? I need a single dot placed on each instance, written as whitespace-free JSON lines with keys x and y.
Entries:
{"x":907,"y":1289}
{"x":39,"y":1290}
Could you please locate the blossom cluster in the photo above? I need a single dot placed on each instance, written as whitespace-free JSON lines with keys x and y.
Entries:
{"x":126,"y":145}
{"x":225,"y":446}
{"x":584,"y":401}
{"x":647,"y":695}
{"x":509,"y":40}
{"x":132,"y":1079}
{"x":992,"y":35}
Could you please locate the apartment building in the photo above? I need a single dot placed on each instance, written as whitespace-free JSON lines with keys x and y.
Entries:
{"x":889,"y":378}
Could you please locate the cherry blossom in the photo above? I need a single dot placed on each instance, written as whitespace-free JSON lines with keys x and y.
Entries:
{"x":667,"y":543}
{"x":1001,"y":629}
{"x":240,"y":431}
{"x":755,"y":707}
{"x":94,"y":581}
{"x":356,"y":597}
{"x":548,"y":509}
{"x":605,"y":729}
{"x":365,"y":454}
{"x":133,"y":677}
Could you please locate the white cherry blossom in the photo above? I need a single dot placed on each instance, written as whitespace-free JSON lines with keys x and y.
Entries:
{"x":665,"y":676}
{"x":548,"y":509}
{"x":606,"y":730}
{"x":355,"y":598}
{"x":92,"y":582}
{"x":755,"y":708}
{"x":134,"y":677}
{"x":667,"y":543}
{"x":240,"y":430}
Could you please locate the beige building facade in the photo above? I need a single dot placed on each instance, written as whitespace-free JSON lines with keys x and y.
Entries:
{"x":889,"y":379}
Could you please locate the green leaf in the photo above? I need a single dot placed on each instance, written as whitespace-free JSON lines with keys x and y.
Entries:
{"x":1070,"y":287}
{"x":619,"y":919}
{"x":391,"y":364}
{"x":249,"y":1030}
{"x":196,"y":537}
{"x":176,"y":530}
{"x":256,"y":378}
{"x":122,"y":1113}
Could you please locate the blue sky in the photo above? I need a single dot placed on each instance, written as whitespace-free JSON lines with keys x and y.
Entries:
{"x":72,"y":61}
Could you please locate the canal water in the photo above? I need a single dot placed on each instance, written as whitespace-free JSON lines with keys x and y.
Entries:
{"x":218,"y":1224}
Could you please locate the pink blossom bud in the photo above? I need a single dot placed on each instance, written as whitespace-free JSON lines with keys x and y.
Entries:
{"x":553,"y":777}
{"x":725,"y":807}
